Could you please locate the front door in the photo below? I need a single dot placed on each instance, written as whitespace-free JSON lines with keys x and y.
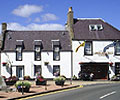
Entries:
{"x":20,"y":72}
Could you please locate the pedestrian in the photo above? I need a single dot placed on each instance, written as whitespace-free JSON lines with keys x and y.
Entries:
{"x":91,"y":76}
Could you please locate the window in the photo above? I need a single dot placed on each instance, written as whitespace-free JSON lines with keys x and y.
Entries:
{"x":99,"y":27}
{"x":37,"y":53}
{"x":117,"y":68}
{"x":37,"y":70}
{"x":56,"y":50}
{"x":92,"y":27}
{"x":95,"y":27}
{"x":19,"y":53}
{"x":88,"y":48}
{"x":56,"y":70}
{"x":117,"y":48}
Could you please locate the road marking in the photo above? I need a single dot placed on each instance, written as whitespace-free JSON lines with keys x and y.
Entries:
{"x":108,"y":94}
{"x":81,"y":86}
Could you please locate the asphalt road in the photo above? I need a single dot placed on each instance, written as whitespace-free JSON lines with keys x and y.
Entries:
{"x":95,"y":92}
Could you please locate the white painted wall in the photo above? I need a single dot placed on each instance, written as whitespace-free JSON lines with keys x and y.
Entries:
{"x":98,"y":46}
{"x":28,"y":62}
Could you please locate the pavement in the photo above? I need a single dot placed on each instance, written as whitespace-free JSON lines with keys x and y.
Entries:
{"x":50,"y":87}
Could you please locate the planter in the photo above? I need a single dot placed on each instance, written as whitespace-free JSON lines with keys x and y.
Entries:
{"x":25,"y":89}
{"x":44,"y":82}
{"x":59,"y":83}
{"x":10,"y":82}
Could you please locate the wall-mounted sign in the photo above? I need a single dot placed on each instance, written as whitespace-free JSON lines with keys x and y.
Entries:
{"x":103,"y":53}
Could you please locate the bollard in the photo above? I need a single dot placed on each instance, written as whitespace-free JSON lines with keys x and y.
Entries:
{"x":22,"y":89}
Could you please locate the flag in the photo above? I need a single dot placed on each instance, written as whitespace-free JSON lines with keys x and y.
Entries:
{"x":108,"y":46}
{"x":81,"y":45}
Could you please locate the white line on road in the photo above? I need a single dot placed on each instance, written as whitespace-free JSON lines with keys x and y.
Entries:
{"x":108,"y":94}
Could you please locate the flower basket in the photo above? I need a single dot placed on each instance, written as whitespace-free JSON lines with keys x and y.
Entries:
{"x":60,"y":80}
{"x":27,"y":78}
{"x":23,"y":84}
{"x":41,"y":81}
{"x":11,"y":80}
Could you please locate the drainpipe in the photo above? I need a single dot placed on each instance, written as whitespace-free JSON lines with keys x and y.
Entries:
{"x":71,"y":67}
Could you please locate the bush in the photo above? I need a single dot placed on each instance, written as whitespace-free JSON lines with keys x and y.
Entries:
{"x":23,"y":83}
{"x":23,"y":86}
{"x":74,"y":77}
{"x":60,"y":80}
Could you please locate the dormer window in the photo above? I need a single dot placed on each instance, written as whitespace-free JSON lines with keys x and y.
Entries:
{"x":37,"y":53}
{"x":37,"y":50}
{"x":19,"y":53}
{"x":92,"y":27}
{"x":56,"y":50}
{"x":19,"y":48}
{"x":99,"y":27}
{"x":95,"y":27}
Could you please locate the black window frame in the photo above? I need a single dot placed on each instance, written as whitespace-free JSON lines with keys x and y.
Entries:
{"x":54,"y":70}
{"x":91,"y":43}
{"x":35,"y":70}
{"x":56,"y":53}
{"x":36,"y":54}
{"x":117,"y":68}
{"x":115,"y":48}
{"x":19,"y":53}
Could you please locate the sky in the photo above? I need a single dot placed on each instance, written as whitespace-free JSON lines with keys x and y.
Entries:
{"x":52,"y":14}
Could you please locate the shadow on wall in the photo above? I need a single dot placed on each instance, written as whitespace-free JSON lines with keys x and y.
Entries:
{"x":50,"y":68}
{"x":8,"y":69}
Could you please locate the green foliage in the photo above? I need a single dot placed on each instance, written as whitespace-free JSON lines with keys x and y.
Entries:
{"x":59,"y":78}
{"x":23,"y":83}
{"x":74,"y":77}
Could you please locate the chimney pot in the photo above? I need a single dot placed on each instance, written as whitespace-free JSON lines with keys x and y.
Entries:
{"x":70,"y":9}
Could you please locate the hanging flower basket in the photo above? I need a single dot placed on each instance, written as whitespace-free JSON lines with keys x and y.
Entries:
{"x":4,"y":63}
{"x":46,"y":63}
{"x":111,"y":64}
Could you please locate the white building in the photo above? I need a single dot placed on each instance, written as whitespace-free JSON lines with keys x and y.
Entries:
{"x":88,"y":45}
{"x":95,"y":45}
{"x":28,"y":52}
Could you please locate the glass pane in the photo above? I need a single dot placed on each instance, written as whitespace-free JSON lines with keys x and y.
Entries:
{"x":56,"y":70}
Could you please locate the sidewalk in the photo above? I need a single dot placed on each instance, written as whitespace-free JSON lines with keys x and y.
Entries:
{"x":50,"y":87}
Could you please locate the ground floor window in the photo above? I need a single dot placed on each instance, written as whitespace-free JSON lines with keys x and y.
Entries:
{"x":37,"y":70}
{"x":117,"y":68}
{"x":56,"y":70}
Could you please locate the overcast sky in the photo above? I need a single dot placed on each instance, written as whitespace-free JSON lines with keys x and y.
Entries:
{"x":52,"y":14}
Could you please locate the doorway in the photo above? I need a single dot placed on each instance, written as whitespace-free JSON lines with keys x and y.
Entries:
{"x":20,"y":72}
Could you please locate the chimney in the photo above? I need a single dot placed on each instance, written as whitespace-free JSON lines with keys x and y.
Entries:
{"x":4,"y":27}
{"x":2,"y":36}
{"x":70,"y":22}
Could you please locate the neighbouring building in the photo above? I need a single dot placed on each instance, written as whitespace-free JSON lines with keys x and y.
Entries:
{"x":89,"y":45}
{"x":95,"y":45}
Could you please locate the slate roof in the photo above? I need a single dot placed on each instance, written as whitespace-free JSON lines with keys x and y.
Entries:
{"x":28,"y":38}
{"x":82,"y":32}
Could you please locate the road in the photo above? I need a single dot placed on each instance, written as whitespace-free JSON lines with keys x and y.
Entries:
{"x":95,"y":92}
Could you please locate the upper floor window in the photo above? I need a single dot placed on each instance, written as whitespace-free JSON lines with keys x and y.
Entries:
{"x":95,"y":27}
{"x":19,"y":53}
{"x":37,"y":50}
{"x":37,"y":53}
{"x":19,"y":48}
{"x":56,"y":50}
{"x":88,"y":49}
{"x":117,"y":48}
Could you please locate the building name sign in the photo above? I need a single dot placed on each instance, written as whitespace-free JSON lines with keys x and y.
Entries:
{"x":103,"y":53}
